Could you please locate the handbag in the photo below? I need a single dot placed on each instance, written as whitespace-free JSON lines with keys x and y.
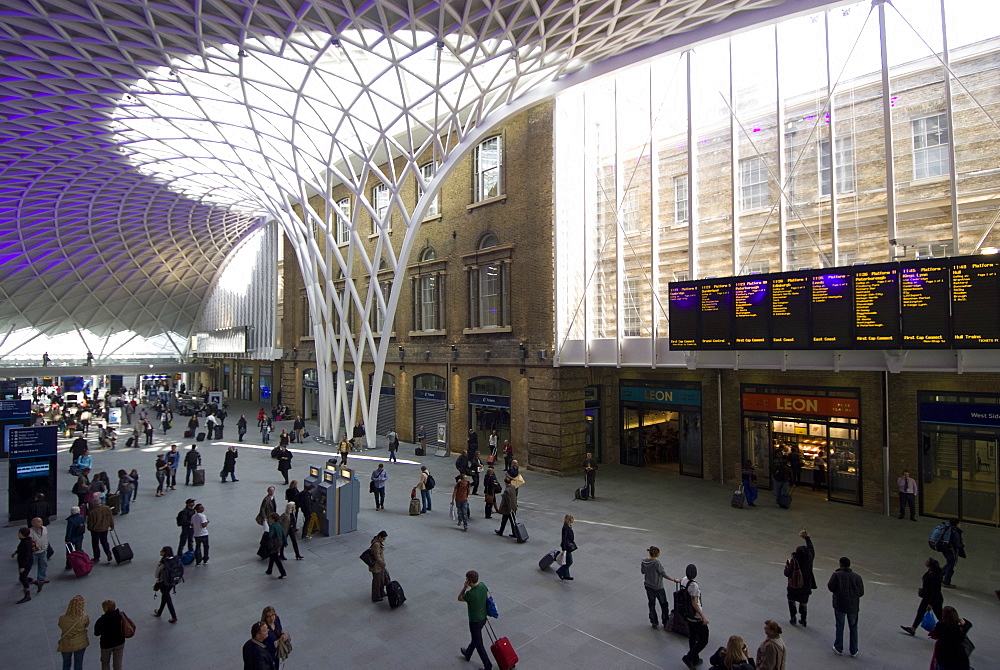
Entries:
{"x":491,"y":608}
{"x":285,"y":648}
{"x":571,"y":546}
{"x":929,"y":621}
{"x":128,"y":626}
{"x":368,"y":557}
{"x":967,"y":646}
{"x":49,"y":551}
{"x":371,"y":486}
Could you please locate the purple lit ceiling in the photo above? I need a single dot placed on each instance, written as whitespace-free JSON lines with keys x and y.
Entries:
{"x":89,"y":240}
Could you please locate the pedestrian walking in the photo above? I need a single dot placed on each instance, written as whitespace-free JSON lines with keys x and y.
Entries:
{"x":771,"y":652}
{"x":199,"y":526}
{"x":187,"y":529}
{"x":377,"y":485}
{"x":508,"y":506}
{"x":847,"y":588}
{"x":267,"y":507}
{"x":100,"y":520}
{"x":508,"y":454}
{"x":801,"y":579}
{"x":298,"y":428}
{"x":76,"y":528}
{"x":305,"y":502}
{"x":148,"y":430}
{"x":284,"y":461}
{"x":491,"y":487}
{"x":460,"y":499}
{"x":475,"y":594}
{"x":229,"y":464}
{"x":25,"y":559}
{"x":265,"y":429}
{"x":124,"y":490}
{"x":393,"y":441}
{"x":73,"y":639}
{"x":590,"y":473}
{"x":952,"y":547}
{"x":425,"y":493}
{"x":275,"y":545}
{"x":696,"y":619}
{"x":174,"y":461}
{"x":653,"y":575}
{"x":930,"y":594}
{"x":109,"y":628}
{"x":422,"y":440}
{"x":359,"y":436}
{"x":162,"y":471}
{"x":379,"y":575}
{"x":344,"y":448}
{"x":134,"y":476}
{"x":164,"y":581}
{"x":568,"y":546}
{"x":289,"y":524}
{"x":40,"y":541}
{"x":493,"y":442}
{"x":950,"y":649}
{"x":749,"y":479}
{"x":241,"y":426}
{"x":907,"y":494}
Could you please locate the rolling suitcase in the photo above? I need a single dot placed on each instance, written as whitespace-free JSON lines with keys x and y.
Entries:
{"x":414,"y":506}
{"x":121,"y":552}
{"x":738,"y":498}
{"x":218,"y":432}
{"x":419,"y":452}
{"x":188,"y":434}
{"x":520,"y":532}
{"x":79,"y":561}
{"x":199,"y":477}
{"x":678,"y":624}
{"x":502,"y":650}
{"x":582,"y":493}
{"x":784,"y":501}
{"x":201,"y":437}
{"x":395,"y":593}
{"x":114,"y":501}
{"x":548,"y":559}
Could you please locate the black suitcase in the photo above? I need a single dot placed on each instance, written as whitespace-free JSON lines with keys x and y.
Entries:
{"x":199,"y":477}
{"x":121,"y":552}
{"x":548,"y":559}
{"x":201,"y":437}
{"x":130,"y":442}
{"x":395,"y":593}
{"x":520,"y":532}
{"x":114,"y":501}
{"x":419,"y":452}
{"x":583,"y":493}
{"x":738,"y":498}
{"x":784,"y":501}
{"x":218,"y":432}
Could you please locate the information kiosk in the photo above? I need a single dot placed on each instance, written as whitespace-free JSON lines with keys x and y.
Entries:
{"x":338,"y":500}
{"x":32,"y":467}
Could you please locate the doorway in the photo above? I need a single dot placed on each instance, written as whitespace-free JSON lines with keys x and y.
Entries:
{"x":959,"y":475}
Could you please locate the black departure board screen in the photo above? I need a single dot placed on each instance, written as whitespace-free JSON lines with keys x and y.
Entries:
{"x":974,"y":303}
{"x":685,"y":310}
{"x":924,"y":295}
{"x":876,"y":307}
{"x":926,"y":304}
{"x":716,"y":325}
{"x":790,"y":298}
{"x":832,"y":309}
{"x":752,"y":313}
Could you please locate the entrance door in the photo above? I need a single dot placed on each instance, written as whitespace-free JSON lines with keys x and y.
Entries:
{"x":959,"y":476}
{"x":843,"y":465}
{"x":977,"y":485}
{"x":757,"y":448}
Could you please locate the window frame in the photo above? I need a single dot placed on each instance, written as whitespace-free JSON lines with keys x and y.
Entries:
{"x":631,"y":309}
{"x":343,"y":224}
{"x":429,"y":267}
{"x":434,"y":209}
{"x":755,"y":194}
{"x":479,"y":193}
{"x":681,"y":202}
{"x":380,"y":192}
{"x":500,"y":259}
{"x":846,"y":180}
{"x":919,"y":134}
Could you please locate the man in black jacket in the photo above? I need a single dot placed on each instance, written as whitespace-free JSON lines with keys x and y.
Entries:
{"x":192,"y":461}
{"x":304,"y":502}
{"x":847,"y":588}
{"x":255,"y":654}
{"x":187,"y":530}
{"x":109,"y":629}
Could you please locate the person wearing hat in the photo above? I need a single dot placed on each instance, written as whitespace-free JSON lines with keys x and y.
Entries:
{"x":187,"y":529}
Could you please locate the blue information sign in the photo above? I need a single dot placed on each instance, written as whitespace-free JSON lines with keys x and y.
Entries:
{"x":489,"y":400}
{"x":15,"y":409}
{"x":962,"y":414}
{"x":30,"y":442}
{"x":427,"y":394}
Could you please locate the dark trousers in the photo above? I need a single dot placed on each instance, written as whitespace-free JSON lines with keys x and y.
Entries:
{"x":907,"y":500}
{"x":166,"y":601}
{"x":563,"y":570}
{"x":476,"y":644}
{"x":950,"y":561}
{"x":697,"y":639}
{"x":187,"y":537}
{"x":591,"y":478}
{"x":507,"y":460}
{"x":652,"y":597}
{"x":275,"y":559}
{"x":475,"y":483}
{"x":803,"y":611}
{"x":201,"y":549}
{"x":295,"y":542}
{"x":98,"y":539}
{"x":190,"y":471}
{"x":922,"y":609}
{"x":379,"y":497}
{"x":504,"y":520}
{"x":25,"y":577}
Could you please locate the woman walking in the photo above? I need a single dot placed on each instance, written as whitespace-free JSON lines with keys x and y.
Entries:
{"x":289,"y":524}
{"x":568,"y":546}
{"x":73,"y":641}
{"x":749,"y":483}
{"x":162,"y":468}
{"x":229,"y":464}
{"x":25,"y":559}
{"x":491,"y":487}
{"x":275,"y":546}
{"x":949,"y":650}
{"x":109,"y":628}
{"x":164,"y":583}
{"x":930,"y":594}
{"x":801,"y":581}
{"x":134,"y":476}
{"x":379,"y":575}
{"x":771,"y":652}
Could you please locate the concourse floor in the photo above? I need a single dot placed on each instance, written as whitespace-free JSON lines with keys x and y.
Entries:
{"x":598,"y":621}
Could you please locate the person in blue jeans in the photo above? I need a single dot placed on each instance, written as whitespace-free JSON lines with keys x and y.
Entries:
{"x":475,"y":594}
{"x":847,"y":588}
{"x":568,"y":546}
{"x":425,"y":493}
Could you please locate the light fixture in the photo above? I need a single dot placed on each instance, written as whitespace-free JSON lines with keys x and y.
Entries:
{"x":543,"y":354}
{"x":522,"y":351}
{"x":454,"y":353}
{"x":402,"y":352}
{"x":486,"y":355}
{"x":427,"y":354}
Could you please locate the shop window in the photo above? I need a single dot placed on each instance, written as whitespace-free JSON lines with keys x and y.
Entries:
{"x":754,"y":191}
{"x":427,"y":171}
{"x":681,"y":199}
{"x":845,"y":166}
{"x":380,"y":204}
{"x":487,"y":162}
{"x":343,"y":223}
{"x":930,"y":146}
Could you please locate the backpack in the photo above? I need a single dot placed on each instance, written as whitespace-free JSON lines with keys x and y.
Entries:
{"x":797,"y":580}
{"x":173,"y":572}
{"x":430,"y":482}
{"x":184,"y":517}
{"x":940,"y":536}
{"x":684,"y":606}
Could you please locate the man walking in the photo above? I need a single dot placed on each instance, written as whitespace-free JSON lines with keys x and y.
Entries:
{"x":847,"y":589}
{"x":267,"y":507}
{"x":907,"y":494}
{"x":653,"y":575}
{"x":508,"y":506}
{"x":174,"y":461}
{"x":187,"y":530}
{"x":474,"y":594}
{"x":40,"y":541}
{"x":192,"y":461}
{"x":590,"y":472}
{"x":241,"y":426}
{"x":393,"y":440}
{"x":953,"y":548}
{"x":378,"y":486}
{"x":696,"y":619}
{"x":99,"y":522}
{"x":298,"y":427}
{"x":229,"y":464}
{"x":199,"y":523}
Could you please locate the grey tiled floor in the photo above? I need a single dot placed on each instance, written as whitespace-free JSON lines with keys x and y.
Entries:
{"x":597,"y":621}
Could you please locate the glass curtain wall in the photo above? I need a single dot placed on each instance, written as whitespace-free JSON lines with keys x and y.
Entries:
{"x":786,"y":130}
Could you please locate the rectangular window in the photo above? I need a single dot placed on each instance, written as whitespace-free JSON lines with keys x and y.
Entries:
{"x":489,"y":296}
{"x":487,"y":163}
{"x":343,"y":227}
{"x":427,"y":171}
{"x":428,"y":303}
{"x":307,"y":324}
{"x":630,"y":211}
{"x":681,"y":199}
{"x":845,"y":166}
{"x":376,"y":315}
{"x":631,"y":317}
{"x":754,"y":192}
{"x":930,"y":147}
{"x":380,"y":203}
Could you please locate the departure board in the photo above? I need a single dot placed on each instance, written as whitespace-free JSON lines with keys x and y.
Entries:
{"x":925,"y":310}
{"x":832,"y":309}
{"x":876,"y":307}
{"x":974,"y":303}
{"x":685,"y":311}
{"x":752,"y":313}
{"x":716,"y":325}
{"x":790,"y":297}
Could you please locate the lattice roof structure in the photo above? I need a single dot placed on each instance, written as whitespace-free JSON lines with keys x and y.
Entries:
{"x":122,"y":190}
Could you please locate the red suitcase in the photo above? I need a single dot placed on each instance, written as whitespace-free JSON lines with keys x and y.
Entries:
{"x":79,"y":561}
{"x":502,"y":651}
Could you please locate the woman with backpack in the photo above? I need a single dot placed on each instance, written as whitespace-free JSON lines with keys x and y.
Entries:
{"x":165,"y":577}
{"x":801,"y":581}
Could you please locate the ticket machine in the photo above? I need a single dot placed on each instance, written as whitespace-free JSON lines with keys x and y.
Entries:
{"x":338,"y":500}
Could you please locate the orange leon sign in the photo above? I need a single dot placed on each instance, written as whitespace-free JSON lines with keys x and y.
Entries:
{"x":793,"y":404}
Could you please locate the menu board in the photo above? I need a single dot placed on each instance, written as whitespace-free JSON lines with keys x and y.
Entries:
{"x":925,"y":310}
{"x":930,"y":304}
{"x":974,"y":302}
